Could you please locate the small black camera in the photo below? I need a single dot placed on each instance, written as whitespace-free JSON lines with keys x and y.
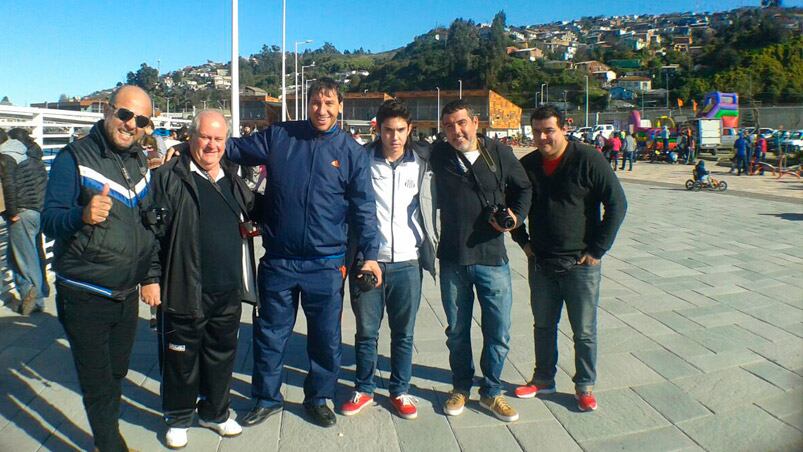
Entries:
{"x":499,"y":213}
{"x":155,"y":216}
{"x":365,"y":281}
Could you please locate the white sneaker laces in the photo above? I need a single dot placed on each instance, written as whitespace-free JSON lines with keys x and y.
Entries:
{"x":407,"y":399}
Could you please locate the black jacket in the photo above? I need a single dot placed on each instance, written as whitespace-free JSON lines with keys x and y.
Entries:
{"x":24,"y":183}
{"x":565,"y":219}
{"x":111,"y":258}
{"x":180,"y":254}
{"x":466,"y":237}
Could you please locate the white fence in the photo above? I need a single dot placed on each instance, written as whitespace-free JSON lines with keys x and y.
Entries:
{"x":52,"y":130}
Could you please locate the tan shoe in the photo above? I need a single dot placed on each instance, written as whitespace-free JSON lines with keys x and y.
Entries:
{"x":29,"y":303}
{"x":500,"y":408}
{"x":456,"y":403}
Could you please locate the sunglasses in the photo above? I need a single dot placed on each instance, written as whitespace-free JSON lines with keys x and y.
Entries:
{"x":125,"y":115}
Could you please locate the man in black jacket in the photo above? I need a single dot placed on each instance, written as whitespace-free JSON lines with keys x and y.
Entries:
{"x":482,"y":192}
{"x":96,"y":194}
{"x":24,"y":178}
{"x":567,"y":239}
{"x":207,"y":271}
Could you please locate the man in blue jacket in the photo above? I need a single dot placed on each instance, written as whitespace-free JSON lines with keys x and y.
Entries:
{"x":319,"y":179}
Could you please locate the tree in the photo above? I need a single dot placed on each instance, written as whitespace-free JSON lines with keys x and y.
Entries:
{"x":146,"y":77}
{"x":492,"y":53}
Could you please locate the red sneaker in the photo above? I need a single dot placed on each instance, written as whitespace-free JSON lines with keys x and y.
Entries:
{"x":586,"y":401}
{"x":529,"y":390}
{"x":405,"y":406}
{"x":357,"y":402}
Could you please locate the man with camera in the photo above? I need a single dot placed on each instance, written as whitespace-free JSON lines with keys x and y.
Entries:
{"x":402,"y":185}
{"x":568,"y":237}
{"x":207,"y":271}
{"x":96,"y":196}
{"x":482,"y":192}
{"x":318,"y":179}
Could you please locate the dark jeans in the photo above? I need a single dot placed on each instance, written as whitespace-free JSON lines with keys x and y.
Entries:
{"x":101,"y":334}
{"x":495,"y":295}
{"x":318,"y":285}
{"x":627,"y":157}
{"x":578,"y":287}
{"x":24,"y":243}
{"x":741,"y":165}
{"x":400,"y":293}
{"x":198,"y":360}
{"x":615,"y":160}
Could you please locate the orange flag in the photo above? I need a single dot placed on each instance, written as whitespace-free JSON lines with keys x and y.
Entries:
{"x":680,"y":103}
{"x":694,"y":105}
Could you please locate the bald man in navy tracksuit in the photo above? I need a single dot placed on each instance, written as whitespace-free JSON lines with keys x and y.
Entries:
{"x":319,"y":179}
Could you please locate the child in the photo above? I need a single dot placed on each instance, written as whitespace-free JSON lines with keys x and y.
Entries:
{"x":701,"y":174}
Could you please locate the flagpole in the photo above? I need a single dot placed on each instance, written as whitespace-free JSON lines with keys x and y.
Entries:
{"x":235,"y":71}
{"x":284,"y":60}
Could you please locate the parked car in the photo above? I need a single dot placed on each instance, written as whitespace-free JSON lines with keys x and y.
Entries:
{"x":729,"y":136}
{"x":794,"y":143}
{"x":605,"y":129}
{"x":579,"y":133}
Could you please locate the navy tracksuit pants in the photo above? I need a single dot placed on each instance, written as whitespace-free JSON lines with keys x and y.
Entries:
{"x":318,"y":285}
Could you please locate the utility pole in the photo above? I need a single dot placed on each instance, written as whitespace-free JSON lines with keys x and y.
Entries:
{"x":586,"y":101}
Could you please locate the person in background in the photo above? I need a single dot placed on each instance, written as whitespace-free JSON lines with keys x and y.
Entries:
{"x":24,"y":178}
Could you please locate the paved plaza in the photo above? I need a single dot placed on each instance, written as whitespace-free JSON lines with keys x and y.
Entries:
{"x":701,"y":348}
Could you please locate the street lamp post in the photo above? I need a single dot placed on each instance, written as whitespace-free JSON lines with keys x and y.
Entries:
{"x":542,"y":93}
{"x":437,"y":113}
{"x":235,"y":70}
{"x":295,"y":82}
{"x":305,"y":97}
{"x":461,"y":88}
{"x":586,"y":101}
{"x":304,"y":86}
{"x":547,"y":92}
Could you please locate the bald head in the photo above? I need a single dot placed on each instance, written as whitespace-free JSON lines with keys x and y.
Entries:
{"x":126,"y":104}
{"x":208,"y":133}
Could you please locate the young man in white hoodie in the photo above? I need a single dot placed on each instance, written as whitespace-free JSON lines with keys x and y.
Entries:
{"x":402,"y":185}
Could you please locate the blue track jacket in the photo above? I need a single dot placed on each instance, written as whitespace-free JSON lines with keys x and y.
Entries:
{"x":316,"y":182}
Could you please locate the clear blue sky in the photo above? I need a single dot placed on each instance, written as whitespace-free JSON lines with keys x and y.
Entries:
{"x":50,"y":47}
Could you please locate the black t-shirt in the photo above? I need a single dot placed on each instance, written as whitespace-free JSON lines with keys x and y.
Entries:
{"x":220,"y":241}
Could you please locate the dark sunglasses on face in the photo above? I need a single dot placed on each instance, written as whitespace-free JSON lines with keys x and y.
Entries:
{"x":125,"y":115}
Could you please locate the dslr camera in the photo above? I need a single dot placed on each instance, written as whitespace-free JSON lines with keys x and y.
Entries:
{"x":155,"y":216}
{"x":499,"y":213}
{"x":366,"y":281}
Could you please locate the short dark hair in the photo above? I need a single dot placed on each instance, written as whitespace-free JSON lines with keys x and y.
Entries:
{"x":20,"y":135}
{"x":324,"y":85}
{"x":3,"y":136}
{"x":546,"y":112}
{"x":457,"y":105}
{"x":393,"y":108}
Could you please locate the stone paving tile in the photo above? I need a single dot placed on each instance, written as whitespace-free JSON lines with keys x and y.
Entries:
{"x":728,"y":337}
{"x":666,"y":363}
{"x":663,"y":439}
{"x":785,"y":404}
{"x":683,"y":346}
{"x":725,"y":359}
{"x":776,"y":375}
{"x":646,"y":325}
{"x":656,"y":303}
{"x":620,"y":412}
{"x":786,"y":353}
{"x":620,"y":340}
{"x":727,"y":389}
{"x":544,"y":436}
{"x":777,"y":314}
{"x":747,"y":429}
{"x":675,"y":321}
{"x":623,"y":370}
{"x":671,"y":401}
{"x":483,"y":439}
{"x":765,"y":330}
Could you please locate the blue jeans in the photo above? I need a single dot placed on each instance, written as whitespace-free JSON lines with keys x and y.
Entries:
{"x":400,"y":293}
{"x":627,"y":157}
{"x":23,"y":255}
{"x":578,"y":287}
{"x":496,"y":297}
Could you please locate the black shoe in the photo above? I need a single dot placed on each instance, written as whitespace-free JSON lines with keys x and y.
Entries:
{"x":321,"y":414}
{"x":258,"y":415}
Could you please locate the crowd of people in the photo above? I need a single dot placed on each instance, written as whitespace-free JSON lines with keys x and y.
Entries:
{"x":137,"y":217}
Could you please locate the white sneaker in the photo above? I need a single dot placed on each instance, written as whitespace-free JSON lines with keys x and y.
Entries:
{"x":228,"y":428}
{"x":176,"y":438}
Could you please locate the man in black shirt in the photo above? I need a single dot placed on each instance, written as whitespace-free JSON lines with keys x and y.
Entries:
{"x":568,"y":237}
{"x":207,"y":270}
{"x":475,"y":176}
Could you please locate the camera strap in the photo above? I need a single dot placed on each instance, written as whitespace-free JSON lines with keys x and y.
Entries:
{"x":237,"y":211}
{"x":491,"y":165}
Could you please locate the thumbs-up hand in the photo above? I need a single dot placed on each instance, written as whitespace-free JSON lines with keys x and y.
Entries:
{"x":98,"y":208}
